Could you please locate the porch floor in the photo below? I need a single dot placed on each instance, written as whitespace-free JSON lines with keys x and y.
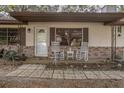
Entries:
{"x":40,"y":71}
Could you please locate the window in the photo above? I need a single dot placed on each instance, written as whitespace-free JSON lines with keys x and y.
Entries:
{"x":9,"y":35}
{"x":69,"y":36}
{"x":13,"y":36}
{"x":3,"y":35}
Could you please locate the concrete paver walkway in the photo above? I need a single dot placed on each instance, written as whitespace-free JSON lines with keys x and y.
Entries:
{"x":40,"y":71}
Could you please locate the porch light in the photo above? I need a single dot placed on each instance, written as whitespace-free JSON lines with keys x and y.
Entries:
{"x":29,"y":30}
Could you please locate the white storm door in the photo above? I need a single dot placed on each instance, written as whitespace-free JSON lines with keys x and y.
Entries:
{"x":41,"y":48}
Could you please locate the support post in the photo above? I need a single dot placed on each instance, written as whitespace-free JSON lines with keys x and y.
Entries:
{"x":113,"y":43}
{"x":20,"y":47}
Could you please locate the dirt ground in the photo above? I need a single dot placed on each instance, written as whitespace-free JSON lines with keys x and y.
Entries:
{"x":16,"y":82}
{"x":4,"y":69}
{"x":53,"y":83}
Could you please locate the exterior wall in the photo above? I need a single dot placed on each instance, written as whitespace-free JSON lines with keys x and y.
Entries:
{"x":28,"y":50}
{"x":120,"y":40}
{"x":94,"y":52}
{"x":95,"y":31}
{"x":98,"y":33}
{"x":30,"y":36}
{"x":99,"y":37}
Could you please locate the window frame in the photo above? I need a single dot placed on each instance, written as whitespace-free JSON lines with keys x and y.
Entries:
{"x":80,"y":29}
{"x":7,"y":36}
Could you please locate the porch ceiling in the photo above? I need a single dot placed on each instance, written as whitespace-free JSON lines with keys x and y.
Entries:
{"x":106,"y":18}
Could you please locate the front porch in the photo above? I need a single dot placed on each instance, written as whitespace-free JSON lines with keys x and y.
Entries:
{"x":104,"y":38}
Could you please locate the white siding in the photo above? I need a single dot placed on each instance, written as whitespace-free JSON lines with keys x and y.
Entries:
{"x":120,"y":40}
{"x":99,"y":35}
{"x":30,"y":36}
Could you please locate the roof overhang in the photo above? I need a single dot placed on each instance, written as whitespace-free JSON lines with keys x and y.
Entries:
{"x":106,"y":18}
{"x":12,"y":22}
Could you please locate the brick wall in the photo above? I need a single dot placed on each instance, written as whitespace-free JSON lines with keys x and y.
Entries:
{"x":99,"y":52}
{"x":94,"y":52}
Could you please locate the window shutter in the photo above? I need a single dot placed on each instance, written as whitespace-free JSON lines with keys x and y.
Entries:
{"x":85,"y":35}
{"x":52,"y":34}
{"x":22,"y":34}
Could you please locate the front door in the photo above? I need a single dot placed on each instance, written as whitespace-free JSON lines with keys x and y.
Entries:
{"x":41,"y":49}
